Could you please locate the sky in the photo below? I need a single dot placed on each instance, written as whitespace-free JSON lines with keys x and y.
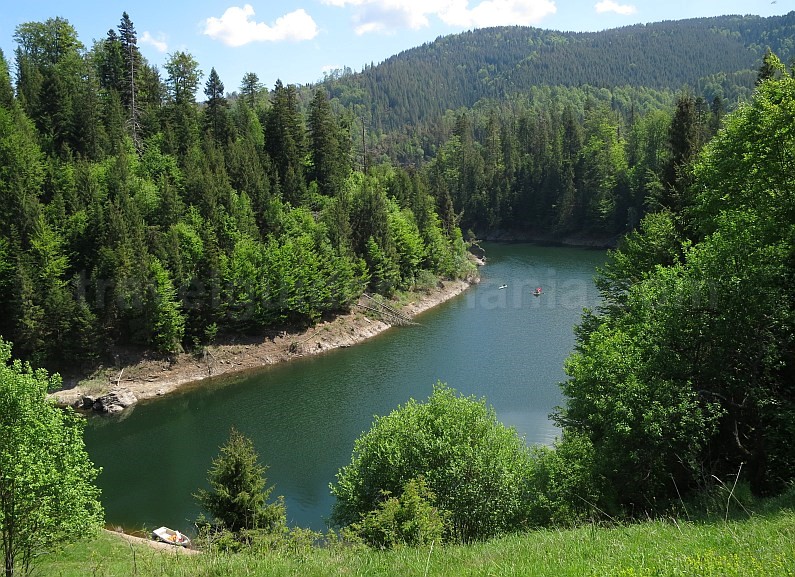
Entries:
{"x":299,"y":41}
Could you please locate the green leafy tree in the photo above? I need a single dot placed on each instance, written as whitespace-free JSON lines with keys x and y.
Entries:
{"x":238,"y":496}
{"x":47,"y":491}
{"x":167,"y":323}
{"x":685,"y":374}
{"x":184,"y":76}
{"x":770,"y":68}
{"x":476,"y":467}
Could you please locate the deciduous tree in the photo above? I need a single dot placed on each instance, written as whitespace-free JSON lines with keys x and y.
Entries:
{"x":47,"y":491}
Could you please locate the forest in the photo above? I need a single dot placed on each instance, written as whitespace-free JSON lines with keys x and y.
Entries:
{"x":134,"y":216}
{"x":714,"y":56}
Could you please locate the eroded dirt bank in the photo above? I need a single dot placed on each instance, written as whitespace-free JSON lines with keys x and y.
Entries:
{"x":148,"y":378}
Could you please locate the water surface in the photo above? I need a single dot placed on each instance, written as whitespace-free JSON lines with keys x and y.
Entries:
{"x":502,"y":344}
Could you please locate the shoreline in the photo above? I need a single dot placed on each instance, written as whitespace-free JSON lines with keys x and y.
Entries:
{"x":148,"y":378}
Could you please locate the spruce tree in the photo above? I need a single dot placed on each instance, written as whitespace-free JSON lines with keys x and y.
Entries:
{"x":238,"y":496}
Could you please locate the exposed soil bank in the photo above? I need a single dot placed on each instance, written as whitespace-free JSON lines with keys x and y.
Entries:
{"x":582,"y":240}
{"x":147,"y":378}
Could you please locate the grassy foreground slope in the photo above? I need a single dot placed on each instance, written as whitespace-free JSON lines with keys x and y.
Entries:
{"x":762,"y":544}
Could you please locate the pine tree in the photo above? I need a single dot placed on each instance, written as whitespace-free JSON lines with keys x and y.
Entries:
{"x":217,"y":106}
{"x":328,"y":150}
{"x":285,"y":142}
{"x":250,"y":89}
{"x":238,"y":495}
{"x":128,"y":40}
{"x":6,"y":90}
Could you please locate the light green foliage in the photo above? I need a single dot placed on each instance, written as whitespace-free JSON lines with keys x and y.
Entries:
{"x":166,"y":319}
{"x":411,"y":519}
{"x":646,"y":425}
{"x":566,"y":483}
{"x":753,"y":546}
{"x":47,"y":491}
{"x":237,"y":500}
{"x":685,"y":374}
{"x":184,"y":76}
{"x":409,"y":247}
{"x":384,"y":272}
{"x":655,"y":242}
{"x":476,"y":467}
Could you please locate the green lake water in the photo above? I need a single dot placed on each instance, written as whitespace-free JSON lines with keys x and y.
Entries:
{"x":502,"y":344}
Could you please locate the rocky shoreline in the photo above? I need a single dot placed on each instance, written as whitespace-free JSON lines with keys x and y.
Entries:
{"x":112,"y":390}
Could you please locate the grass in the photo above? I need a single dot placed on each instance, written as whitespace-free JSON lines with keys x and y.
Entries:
{"x":762,"y":544}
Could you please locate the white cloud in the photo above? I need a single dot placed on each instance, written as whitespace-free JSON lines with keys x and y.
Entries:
{"x":159,"y":43}
{"x":236,"y":27}
{"x":610,"y":6}
{"x":391,"y":15}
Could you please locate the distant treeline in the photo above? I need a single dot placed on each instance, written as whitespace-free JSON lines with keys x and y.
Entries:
{"x":712,"y":56}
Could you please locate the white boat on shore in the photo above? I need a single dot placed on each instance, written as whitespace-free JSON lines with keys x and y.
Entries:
{"x":171,"y":537}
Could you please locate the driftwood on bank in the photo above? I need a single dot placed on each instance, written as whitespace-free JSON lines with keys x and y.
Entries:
{"x":385,"y":312}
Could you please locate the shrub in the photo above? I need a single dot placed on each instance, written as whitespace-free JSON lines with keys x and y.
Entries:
{"x":412,"y":519}
{"x":476,"y":467}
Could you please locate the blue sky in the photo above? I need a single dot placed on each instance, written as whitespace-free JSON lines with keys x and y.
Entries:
{"x":297,"y":40}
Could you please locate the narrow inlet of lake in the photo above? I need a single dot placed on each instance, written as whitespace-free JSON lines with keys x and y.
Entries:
{"x":504,"y":344}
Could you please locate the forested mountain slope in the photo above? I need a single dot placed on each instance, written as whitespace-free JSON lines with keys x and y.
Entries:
{"x":715,"y":55}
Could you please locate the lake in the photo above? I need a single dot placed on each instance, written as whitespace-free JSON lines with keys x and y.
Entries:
{"x":504,"y":344}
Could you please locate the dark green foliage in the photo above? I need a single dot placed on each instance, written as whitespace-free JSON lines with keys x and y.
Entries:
{"x":238,"y":496}
{"x":216,"y":111}
{"x":6,"y":90}
{"x":250,"y":88}
{"x":419,"y":85}
{"x":329,"y":147}
{"x":476,"y":467}
{"x":285,"y":142}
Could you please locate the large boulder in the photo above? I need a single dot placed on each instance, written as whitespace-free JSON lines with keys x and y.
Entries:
{"x":115,"y":401}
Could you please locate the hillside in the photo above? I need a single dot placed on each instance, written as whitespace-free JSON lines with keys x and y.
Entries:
{"x":711,"y":55}
{"x":757,"y":545}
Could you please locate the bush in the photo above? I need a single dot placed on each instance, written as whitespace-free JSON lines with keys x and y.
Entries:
{"x":477,"y":468}
{"x":566,"y":486}
{"x":412,"y":519}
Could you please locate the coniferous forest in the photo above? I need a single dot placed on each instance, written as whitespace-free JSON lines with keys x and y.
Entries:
{"x":134,"y":216}
{"x":159,"y":208}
